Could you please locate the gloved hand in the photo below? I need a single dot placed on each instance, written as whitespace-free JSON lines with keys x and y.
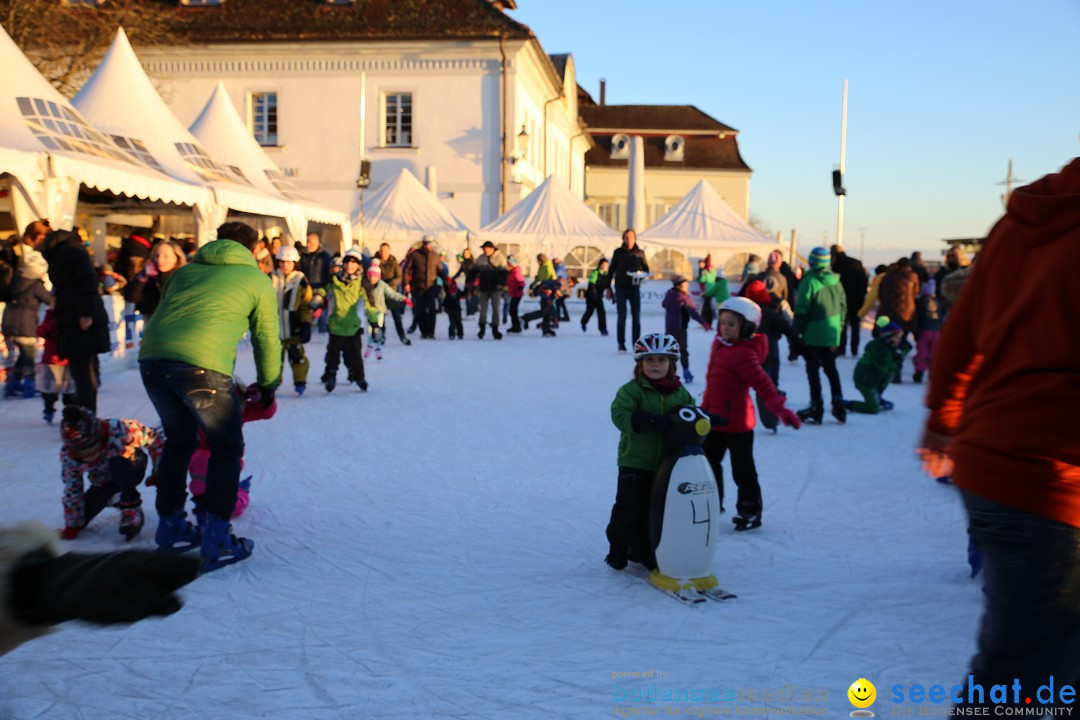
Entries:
{"x":408,"y":302}
{"x":70,"y":533}
{"x":642,"y":421}
{"x":264,"y":394}
{"x":317,"y":313}
{"x":706,"y":326}
{"x":717,"y":420}
{"x":305,"y":333}
{"x":149,"y":270}
{"x":776,"y":406}
{"x":107,"y":588}
{"x":151,"y":480}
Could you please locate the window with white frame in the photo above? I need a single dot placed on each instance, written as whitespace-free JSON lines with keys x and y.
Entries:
{"x":398,"y":119}
{"x":264,"y":124}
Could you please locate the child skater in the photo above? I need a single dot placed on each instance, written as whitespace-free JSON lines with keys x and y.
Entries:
{"x":776,"y":317}
{"x":200,"y":459}
{"x":929,"y":314}
{"x":678,"y":309}
{"x":26,"y":294}
{"x":53,"y":378}
{"x":110,"y":453}
{"x":346,"y":289}
{"x":880,"y":360}
{"x":294,"y":313}
{"x":735,"y":367}
{"x":639,"y":411}
{"x":381,"y":294}
{"x":452,"y":306}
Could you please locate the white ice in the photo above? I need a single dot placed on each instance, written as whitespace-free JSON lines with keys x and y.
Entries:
{"x":434,"y":549}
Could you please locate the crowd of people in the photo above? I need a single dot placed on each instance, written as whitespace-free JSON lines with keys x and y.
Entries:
{"x":985,"y":374}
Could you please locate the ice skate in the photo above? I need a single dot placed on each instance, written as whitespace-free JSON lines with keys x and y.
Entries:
{"x":813,"y":414}
{"x":839,"y":411}
{"x":220,"y":547}
{"x":746,"y":522}
{"x":176,"y":534}
{"x":131,"y":521}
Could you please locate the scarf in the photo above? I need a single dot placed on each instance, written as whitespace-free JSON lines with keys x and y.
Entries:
{"x":665,"y":386}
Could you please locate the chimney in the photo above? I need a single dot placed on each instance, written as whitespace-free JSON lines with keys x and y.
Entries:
{"x":603,"y":91}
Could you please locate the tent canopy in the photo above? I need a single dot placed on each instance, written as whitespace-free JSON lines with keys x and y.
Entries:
{"x":222,"y":132}
{"x":120,"y":99}
{"x":551,"y":217}
{"x":403,"y":210}
{"x":702,"y":221}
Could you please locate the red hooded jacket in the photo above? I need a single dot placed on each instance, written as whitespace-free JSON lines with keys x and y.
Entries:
{"x":1005,"y":382}
{"x":733,"y":370}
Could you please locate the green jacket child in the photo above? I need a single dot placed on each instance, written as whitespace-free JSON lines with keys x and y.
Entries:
{"x":881,"y":359}
{"x":643,"y":450}
{"x":348,"y":293}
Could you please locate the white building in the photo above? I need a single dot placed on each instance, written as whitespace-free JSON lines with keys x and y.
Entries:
{"x":454,"y":90}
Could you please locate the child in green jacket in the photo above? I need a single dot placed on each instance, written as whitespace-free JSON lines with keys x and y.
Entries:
{"x":640,"y":412}
{"x":881,"y":359}
{"x":344,"y":325}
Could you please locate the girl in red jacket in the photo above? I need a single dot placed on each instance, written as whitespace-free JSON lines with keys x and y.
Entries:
{"x":735,"y":367}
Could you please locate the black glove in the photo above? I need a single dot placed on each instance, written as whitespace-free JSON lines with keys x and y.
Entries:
{"x":120,"y":587}
{"x":305,"y":333}
{"x":717,"y":420}
{"x":642,"y":421}
{"x":266,"y":397}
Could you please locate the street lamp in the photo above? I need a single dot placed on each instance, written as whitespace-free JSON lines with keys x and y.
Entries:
{"x":522,"y":146}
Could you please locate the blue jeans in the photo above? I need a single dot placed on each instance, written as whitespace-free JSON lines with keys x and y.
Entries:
{"x":189,"y":399}
{"x":1031,"y":626}
{"x":623,"y":296}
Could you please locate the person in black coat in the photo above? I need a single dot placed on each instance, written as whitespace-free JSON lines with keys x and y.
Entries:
{"x":317,"y":266}
{"x":81,"y":322}
{"x":627,"y":259}
{"x":854,"y":281}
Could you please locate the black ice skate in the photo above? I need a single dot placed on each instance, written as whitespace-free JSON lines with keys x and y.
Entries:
{"x":746,"y":522}
{"x":813,"y":414}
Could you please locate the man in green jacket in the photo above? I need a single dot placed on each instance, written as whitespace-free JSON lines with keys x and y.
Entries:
{"x":187,"y":359}
{"x":820,"y":310}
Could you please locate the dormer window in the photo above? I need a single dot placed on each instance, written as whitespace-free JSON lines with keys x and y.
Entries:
{"x":620,"y":147}
{"x":673,"y":148}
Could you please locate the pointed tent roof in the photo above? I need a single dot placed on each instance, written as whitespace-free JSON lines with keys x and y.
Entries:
{"x":222,"y":132}
{"x":548,"y":215}
{"x":120,"y":99}
{"x":403,"y":209}
{"x":36,"y":118}
{"x":703,"y":221}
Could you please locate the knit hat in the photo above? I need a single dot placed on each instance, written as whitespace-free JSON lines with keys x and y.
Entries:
{"x":889,"y":329}
{"x":820,"y":257}
{"x":79,"y":430}
{"x":512,"y":261}
{"x":929,"y":289}
{"x":678,"y":280}
{"x":374,"y":271}
{"x":882,"y":321}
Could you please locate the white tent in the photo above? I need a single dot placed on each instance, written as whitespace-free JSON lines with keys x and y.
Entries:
{"x":401,"y":211}
{"x":222,"y":132}
{"x":50,"y":149}
{"x":702,"y":223}
{"x":550,"y":219}
{"x":120,"y":99}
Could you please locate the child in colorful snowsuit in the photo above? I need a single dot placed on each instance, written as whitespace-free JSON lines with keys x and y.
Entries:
{"x":679,"y":308}
{"x":346,"y":289}
{"x":294,"y":313}
{"x":26,"y":294}
{"x":929,"y":314}
{"x":639,"y":411}
{"x":111,"y":453}
{"x":53,"y":378}
{"x":876,"y":368}
{"x":735,"y":367}
{"x":381,"y":295}
{"x":200,"y":459}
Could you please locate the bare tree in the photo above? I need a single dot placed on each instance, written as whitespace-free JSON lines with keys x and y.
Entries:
{"x":65,"y":42}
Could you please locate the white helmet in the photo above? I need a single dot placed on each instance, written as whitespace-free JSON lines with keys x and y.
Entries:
{"x":656,"y":344}
{"x":745,"y":308}
{"x":287,"y":253}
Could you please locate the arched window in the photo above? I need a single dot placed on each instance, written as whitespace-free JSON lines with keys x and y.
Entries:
{"x":581,"y":261}
{"x":670,"y":262}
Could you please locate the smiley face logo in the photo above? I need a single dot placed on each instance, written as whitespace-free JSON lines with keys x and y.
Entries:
{"x":862,"y":693}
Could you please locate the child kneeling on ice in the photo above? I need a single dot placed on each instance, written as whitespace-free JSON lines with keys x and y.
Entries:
{"x":880,"y":362}
{"x":735,"y":367}
{"x":110,"y":453}
{"x":639,"y":411}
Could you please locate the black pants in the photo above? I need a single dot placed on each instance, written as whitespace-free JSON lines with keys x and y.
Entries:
{"x":707,"y":311}
{"x":822,"y":358}
{"x":628,"y":529}
{"x":189,"y":399}
{"x":453,"y":314}
{"x":743,"y":470}
{"x":429,"y":303}
{"x":771,"y":366}
{"x":85,"y":378}
{"x":1031,"y":626}
{"x":632,"y":296}
{"x":396,"y":312}
{"x":855,"y":322}
{"x":545,"y":314}
{"x":563,"y":313}
{"x":594,"y":302}
{"x":684,"y":351}
{"x":353,"y":348}
{"x":514,"y":319}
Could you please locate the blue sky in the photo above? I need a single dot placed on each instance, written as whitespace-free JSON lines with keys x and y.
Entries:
{"x":941,"y":95}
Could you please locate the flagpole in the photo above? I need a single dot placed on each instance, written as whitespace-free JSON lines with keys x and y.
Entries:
{"x":843,"y":153}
